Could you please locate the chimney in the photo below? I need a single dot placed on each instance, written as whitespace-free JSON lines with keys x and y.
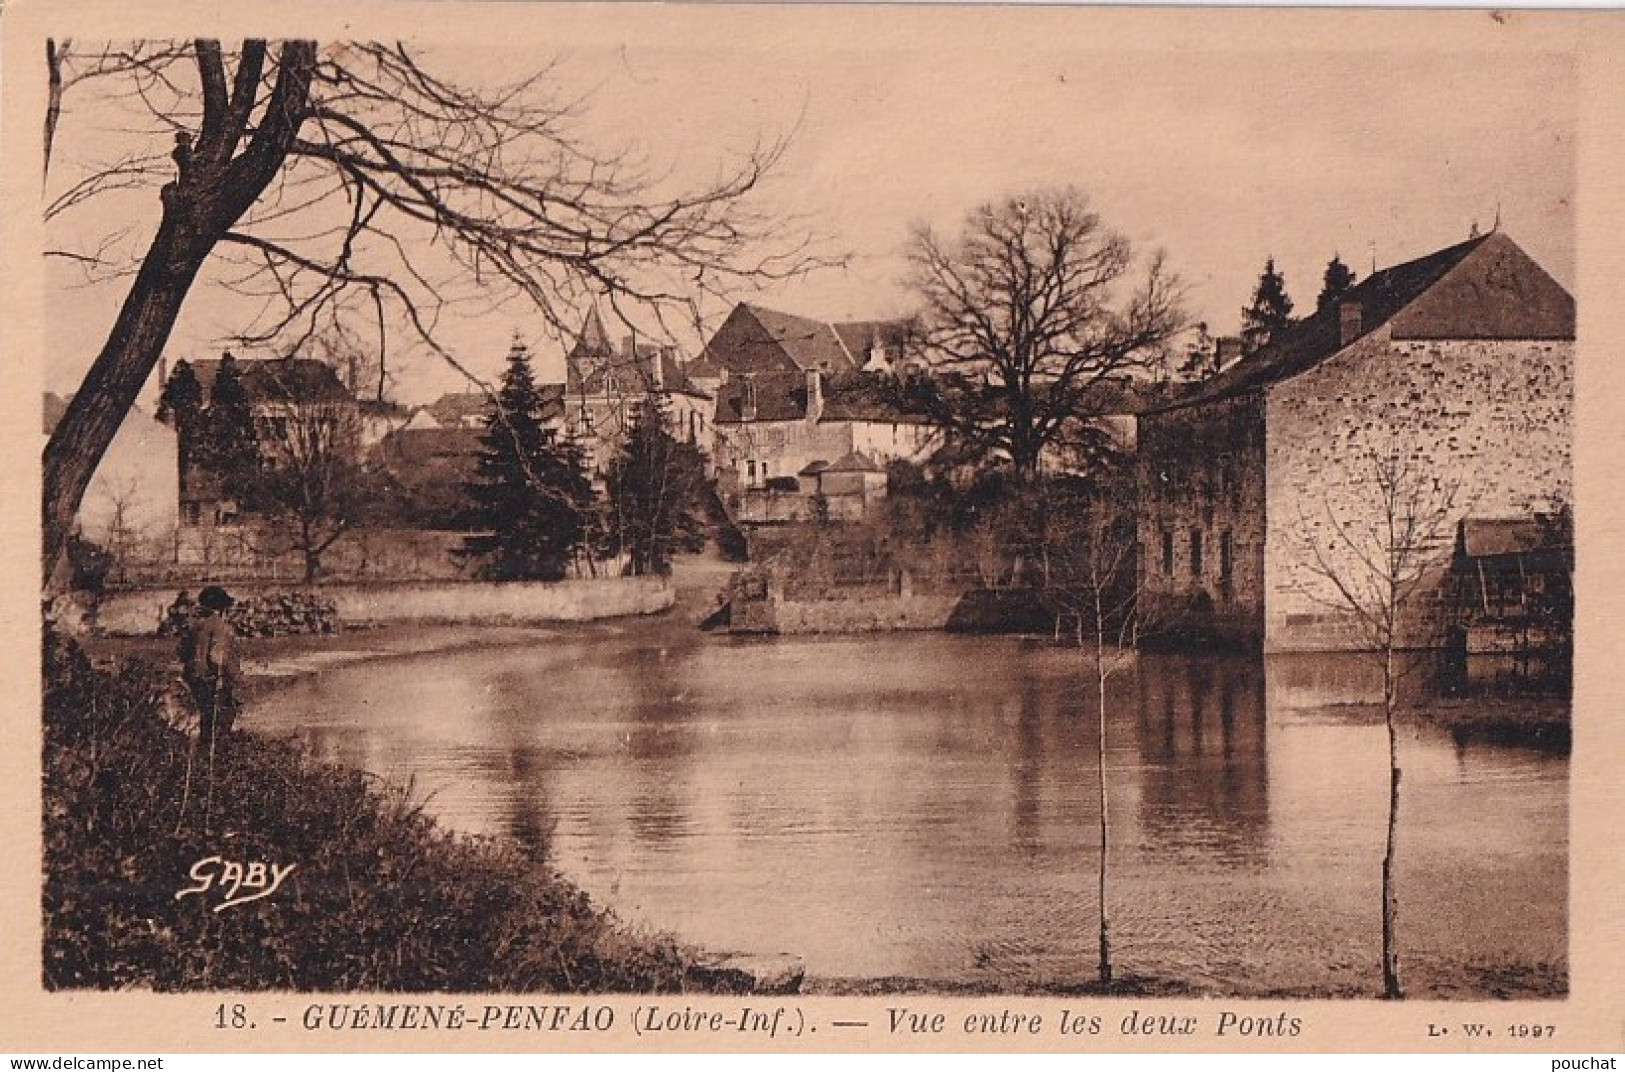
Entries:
{"x":815,"y":396}
{"x":1349,"y":321}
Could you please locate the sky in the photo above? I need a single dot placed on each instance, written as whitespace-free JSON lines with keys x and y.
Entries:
{"x":1219,"y":156}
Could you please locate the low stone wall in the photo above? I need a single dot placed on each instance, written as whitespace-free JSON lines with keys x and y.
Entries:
{"x":881,"y":615}
{"x":137,"y":613}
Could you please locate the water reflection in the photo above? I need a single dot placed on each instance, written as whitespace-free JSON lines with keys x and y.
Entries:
{"x":927,"y":806}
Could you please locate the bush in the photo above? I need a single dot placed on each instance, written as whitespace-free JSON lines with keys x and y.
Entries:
{"x":380,"y":899}
{"x":269,"y":615}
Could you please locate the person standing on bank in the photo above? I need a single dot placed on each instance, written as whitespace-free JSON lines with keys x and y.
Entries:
{"x":209,"y":662}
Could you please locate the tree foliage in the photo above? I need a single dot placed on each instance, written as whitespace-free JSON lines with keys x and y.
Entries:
{"x":656,"y":487}
{"x":350,"y":183}
{"x":1024,"y":314}
{"x":531,"y":498}
{"x":180,"y":405}
{"x":227,"y":442}
{"x":1270,"y":311}
{"x":1338,"y":281}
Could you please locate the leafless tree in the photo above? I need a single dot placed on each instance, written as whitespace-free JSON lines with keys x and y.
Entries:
{"x":1378,"y":552}
{"x":311,"y":481}
{"x":1090,"y":570}
{"x":350,"y":178}
{"x":1025,"y":313}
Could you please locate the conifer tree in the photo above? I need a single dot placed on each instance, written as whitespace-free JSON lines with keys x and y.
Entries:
{"x":227,"y":443}
{"x":655,"y":486}
{"x":1270,"y":311}
{"x":531,"y":495}
{"x":181,"y":407}
{"x":1338,"y":280}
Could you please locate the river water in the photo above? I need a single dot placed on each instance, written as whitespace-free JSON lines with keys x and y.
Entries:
{"x":925,"y":807}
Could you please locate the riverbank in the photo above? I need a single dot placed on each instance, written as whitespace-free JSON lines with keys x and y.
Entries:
{"x":358,"y":888}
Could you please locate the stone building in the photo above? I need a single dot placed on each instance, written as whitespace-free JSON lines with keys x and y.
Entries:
{"x":604,"y":385}
{"x":798,"y":395}
{"x":1452,"y":373}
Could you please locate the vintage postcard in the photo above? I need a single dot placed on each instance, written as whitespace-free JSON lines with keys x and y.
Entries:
{"x":801,"y":528}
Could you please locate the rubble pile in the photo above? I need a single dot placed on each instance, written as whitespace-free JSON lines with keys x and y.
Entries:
{"x":268,"y":615}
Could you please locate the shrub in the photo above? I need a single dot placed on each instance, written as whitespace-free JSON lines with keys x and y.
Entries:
{"x":380,"y":899}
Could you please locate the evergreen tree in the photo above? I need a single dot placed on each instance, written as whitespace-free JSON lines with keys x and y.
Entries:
{"x":227,"y":443}
{"x":530,"y":494}
{"x":181,"y":407}
{"x":1338,"y":281}
{"x":1270,"y":311}
{"x":656,"y":486}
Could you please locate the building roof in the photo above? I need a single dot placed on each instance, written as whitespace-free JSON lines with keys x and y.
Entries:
{"x":1487,"y":537}
{"x":1483,"y":288}
{"x":456,"y":409}
{"x":854,"y":461}
{"x":754,"y":339}
{"x":594,"y":366}
{"x":779,"y":396}
{"x":467,"y":409}
{"x":861,"y":336}
{"x":408,"y":447}
{"x":864,"y":397}
{"x":278,"y":379}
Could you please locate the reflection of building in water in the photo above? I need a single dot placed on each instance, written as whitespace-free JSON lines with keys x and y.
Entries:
{"x":1205,"y":779}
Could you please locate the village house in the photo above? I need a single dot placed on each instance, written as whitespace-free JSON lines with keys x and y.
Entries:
{"x":604,"y":385}
{"x":1456,"y":367}
{"x":801,"y":397}
{"x":279,"y":391}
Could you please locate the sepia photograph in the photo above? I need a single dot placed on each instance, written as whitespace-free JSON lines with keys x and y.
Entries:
{"x":878,"y":527}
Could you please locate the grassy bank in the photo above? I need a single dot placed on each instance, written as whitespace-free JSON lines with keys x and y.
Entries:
{"x":379,"y":897}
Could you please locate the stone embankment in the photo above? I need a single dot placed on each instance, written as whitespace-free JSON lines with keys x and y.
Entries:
{"x":138,"y":613}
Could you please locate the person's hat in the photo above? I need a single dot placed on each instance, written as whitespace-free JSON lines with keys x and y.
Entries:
{"x":215,"y":598}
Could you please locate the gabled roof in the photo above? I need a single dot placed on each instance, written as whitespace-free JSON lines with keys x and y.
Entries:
{"x":1483,"y":288}
{"x":279,"y":379}
{"x":754,"y":339}
{"x":861,"y":336}
{"x":459,"y":408}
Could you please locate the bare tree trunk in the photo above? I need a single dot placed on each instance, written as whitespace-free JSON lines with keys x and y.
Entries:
{"x":1390,"y":956}
{"x":211,"y":191}
{"x":111,"y":386}
{"x":1105,"y":972}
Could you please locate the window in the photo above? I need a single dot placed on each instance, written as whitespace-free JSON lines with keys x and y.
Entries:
{"x":1196,"y":552}
{"x":750,"y":472}
{"x":1167,"y":552}
{"x":1226,"y":563}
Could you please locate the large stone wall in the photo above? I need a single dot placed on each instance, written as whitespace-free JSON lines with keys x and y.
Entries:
{"x":137,"y":613}
{"x":1484,"y":424}
{"x":1201,"y":480}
